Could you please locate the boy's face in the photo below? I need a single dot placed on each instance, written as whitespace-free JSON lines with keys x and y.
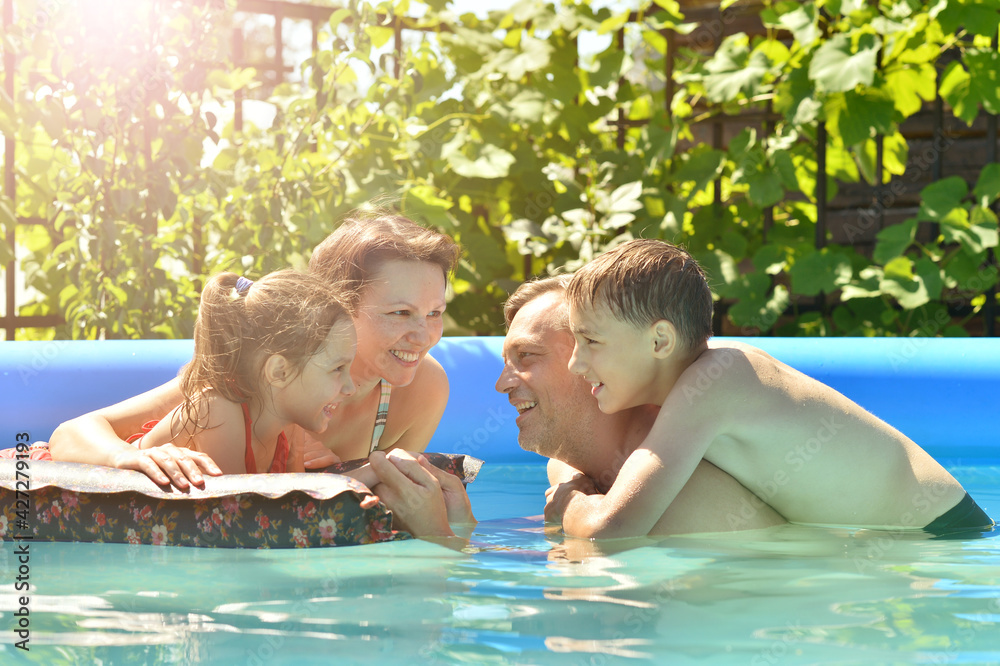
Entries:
{"x":614,"y":356}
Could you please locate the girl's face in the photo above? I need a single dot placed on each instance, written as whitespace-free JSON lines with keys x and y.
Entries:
{"x":398,"y":320}
{"x":312,"y":397}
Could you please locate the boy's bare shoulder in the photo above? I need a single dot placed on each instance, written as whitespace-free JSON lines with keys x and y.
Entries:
{"x":728,"y":369}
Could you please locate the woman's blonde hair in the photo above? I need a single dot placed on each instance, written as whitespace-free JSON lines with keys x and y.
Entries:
{"x":365,"y":240}
{"x":241,"y":324}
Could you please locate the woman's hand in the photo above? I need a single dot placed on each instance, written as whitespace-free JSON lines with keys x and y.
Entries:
{"x":456,"y":499}
{"x":413,"y":494}
{"x":168,"y":465}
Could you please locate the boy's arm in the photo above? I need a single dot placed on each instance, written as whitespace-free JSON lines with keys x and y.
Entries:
{"x":98,"y":438}
{"x":651,"y":477}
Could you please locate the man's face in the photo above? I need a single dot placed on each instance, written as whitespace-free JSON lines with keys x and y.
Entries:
{"x":555,"y":409}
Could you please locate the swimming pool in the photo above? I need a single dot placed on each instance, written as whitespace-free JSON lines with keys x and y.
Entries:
{"x":789,"y":594}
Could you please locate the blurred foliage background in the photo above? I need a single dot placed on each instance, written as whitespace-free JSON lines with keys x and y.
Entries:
{"x":153,"y":146}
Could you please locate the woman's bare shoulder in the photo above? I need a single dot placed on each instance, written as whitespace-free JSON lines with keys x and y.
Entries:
{"x":430,"y":384}
{"x":415,"y":409}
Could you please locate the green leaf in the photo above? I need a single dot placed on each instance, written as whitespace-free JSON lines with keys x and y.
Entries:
{"x":755,"y":307}
{"x":857,"y":116}
{"x":770,"y":259}
{"x":623,"y":199}
{"x":701,"y":166}
{"x":533,"y":55}
{"x":899,"y":268}
{"x":894,"y":240}
{"x":939,"y":199}
{"x":835,"y":67}
{"x":802,"y":24}
{"x":987,"y":188}
{"x":966,"y":90}
{"x":820,"y":271}
{"x":527,"y":106}
{"x":734,"y":70}
{"x":338,"y":17}
{"x":930,"y":274}
{"x":492,"y":162}
{"x":979,"y":17}
{"x":910,"y":86}
{"x":720,"y":269}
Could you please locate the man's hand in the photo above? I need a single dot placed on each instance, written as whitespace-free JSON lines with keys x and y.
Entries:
{"x":559,"y":496}
{"x":169,"y":465}
{"x":412,"y":493}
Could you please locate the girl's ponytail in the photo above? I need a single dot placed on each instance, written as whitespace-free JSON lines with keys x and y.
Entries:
{"x":241,"y":323}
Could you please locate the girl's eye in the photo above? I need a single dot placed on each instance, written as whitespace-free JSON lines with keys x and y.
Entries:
{"x":590,"y":342}
{"x":435,"y":314}
{"x":404,"y":313}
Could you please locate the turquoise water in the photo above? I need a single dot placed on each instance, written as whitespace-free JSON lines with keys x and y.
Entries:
{"x":786,"y":595}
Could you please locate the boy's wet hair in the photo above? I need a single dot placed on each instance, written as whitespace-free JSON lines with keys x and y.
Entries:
{"x":287,"y":312}
{"x":643,"y":281}
{"x":366,"y":239}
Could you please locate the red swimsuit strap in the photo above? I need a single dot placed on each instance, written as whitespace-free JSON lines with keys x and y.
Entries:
{"x":279,"y":463}
{"x":248,"y":459}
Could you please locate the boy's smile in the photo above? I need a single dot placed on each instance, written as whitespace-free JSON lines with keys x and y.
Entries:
{"x":615,"y":357}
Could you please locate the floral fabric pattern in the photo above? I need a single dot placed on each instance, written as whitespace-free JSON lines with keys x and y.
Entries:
{"x":102,"y":509}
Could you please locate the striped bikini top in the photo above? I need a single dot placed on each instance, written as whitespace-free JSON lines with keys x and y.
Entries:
{"x":381,"y":415}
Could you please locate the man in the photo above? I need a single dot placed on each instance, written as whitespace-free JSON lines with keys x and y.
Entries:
{"x":559,"y":418}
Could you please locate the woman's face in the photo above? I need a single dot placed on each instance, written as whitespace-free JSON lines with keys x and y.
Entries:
{"x":398,"y":320}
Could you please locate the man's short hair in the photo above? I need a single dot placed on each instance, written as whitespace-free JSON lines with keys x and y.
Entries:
{"x":531,"y":290}
{"x":643,"y":281}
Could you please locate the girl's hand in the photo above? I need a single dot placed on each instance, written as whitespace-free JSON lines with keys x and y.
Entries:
{"x":169,"y":465}
{"x":314,"y":454}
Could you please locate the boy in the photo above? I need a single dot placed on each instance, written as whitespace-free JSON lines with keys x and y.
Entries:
{"x":641,"y":316}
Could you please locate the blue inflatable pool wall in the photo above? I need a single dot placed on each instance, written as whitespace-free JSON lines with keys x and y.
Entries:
{"x":941,"y":392}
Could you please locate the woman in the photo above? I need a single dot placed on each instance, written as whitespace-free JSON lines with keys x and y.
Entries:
{"x":396,"y":272}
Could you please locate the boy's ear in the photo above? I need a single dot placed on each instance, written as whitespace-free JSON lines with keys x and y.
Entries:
{"x":278,"y":371}
{"x":665,"y":339}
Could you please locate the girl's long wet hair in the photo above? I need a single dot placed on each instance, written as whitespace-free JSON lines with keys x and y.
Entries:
{"x":241,"y":324}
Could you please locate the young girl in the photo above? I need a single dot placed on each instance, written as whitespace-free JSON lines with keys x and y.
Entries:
{"x":267,"y":355}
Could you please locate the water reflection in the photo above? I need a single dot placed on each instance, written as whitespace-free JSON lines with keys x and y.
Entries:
{"x":522,"y":595}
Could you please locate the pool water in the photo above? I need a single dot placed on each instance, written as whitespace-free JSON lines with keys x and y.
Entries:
{"x":790,"y":594}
